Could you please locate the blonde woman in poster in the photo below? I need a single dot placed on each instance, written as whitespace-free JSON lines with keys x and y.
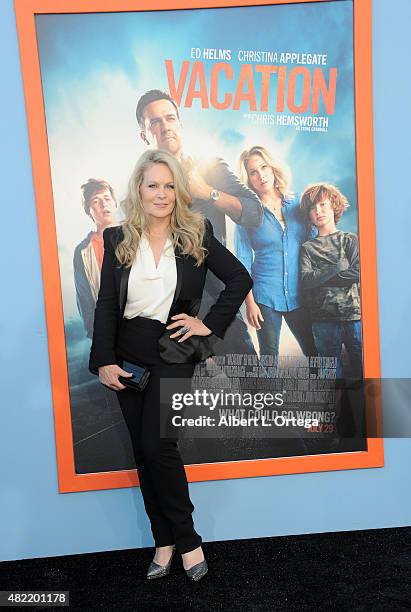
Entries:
{"x":152,"y":280}
{"x":271,"y":255}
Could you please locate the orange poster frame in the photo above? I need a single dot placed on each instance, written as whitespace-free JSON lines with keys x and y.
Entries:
{"x":69,"y":480}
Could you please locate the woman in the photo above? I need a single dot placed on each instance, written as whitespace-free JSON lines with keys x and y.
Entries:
{"x":152,"y":279}
{"x":271,"y":255}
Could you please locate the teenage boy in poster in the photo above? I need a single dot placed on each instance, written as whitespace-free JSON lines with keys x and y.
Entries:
{"x":99,"y":203}
{"x":216,"y":192}
{"x":92,"y":400}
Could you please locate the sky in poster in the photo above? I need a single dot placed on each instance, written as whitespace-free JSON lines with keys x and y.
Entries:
{"x":95,"y":66}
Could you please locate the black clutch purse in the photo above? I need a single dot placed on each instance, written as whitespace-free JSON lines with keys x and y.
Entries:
{"x":139,"y":379}
{"x":192,"y":350}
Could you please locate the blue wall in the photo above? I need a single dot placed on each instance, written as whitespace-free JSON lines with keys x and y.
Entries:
{"x":35,"y":520}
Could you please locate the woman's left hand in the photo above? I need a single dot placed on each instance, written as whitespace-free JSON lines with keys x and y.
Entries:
{"x":189,"y":326}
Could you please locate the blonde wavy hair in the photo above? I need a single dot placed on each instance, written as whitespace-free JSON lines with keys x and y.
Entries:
{"x":281,"y":174}
{"x":187,"y":227}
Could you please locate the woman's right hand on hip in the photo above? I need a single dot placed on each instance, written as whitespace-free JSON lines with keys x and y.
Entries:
{"x":108,"y":376}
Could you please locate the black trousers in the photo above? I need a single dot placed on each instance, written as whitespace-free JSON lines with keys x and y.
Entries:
{"x":160,"y":469}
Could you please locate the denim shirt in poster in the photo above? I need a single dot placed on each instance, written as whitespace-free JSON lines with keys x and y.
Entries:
{"x":272,"y":256}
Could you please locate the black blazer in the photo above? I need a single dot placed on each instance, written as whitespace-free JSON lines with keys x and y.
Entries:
{"x":112,"y":297}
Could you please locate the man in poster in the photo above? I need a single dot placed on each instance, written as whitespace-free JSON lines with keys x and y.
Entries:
{"x":216,"y":191}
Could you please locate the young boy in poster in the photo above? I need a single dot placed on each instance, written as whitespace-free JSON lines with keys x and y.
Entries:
{"x":330,"y":275}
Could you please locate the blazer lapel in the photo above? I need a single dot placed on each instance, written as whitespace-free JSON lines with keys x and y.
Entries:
{"x":125,"y":273}
{"x":180,"y":268}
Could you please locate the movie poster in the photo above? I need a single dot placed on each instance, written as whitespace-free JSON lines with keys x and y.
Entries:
{"x":278,"y":77}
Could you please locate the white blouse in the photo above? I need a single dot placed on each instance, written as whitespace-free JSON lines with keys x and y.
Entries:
{"x":150,"y":289}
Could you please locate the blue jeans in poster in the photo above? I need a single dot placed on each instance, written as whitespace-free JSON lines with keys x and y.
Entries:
{"x":330,"y":336}
{"x":299,"y":322}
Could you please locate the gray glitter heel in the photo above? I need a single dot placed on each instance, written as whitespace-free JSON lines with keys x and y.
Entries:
{"x":158,"y":571}
{"x":197,"y":571}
